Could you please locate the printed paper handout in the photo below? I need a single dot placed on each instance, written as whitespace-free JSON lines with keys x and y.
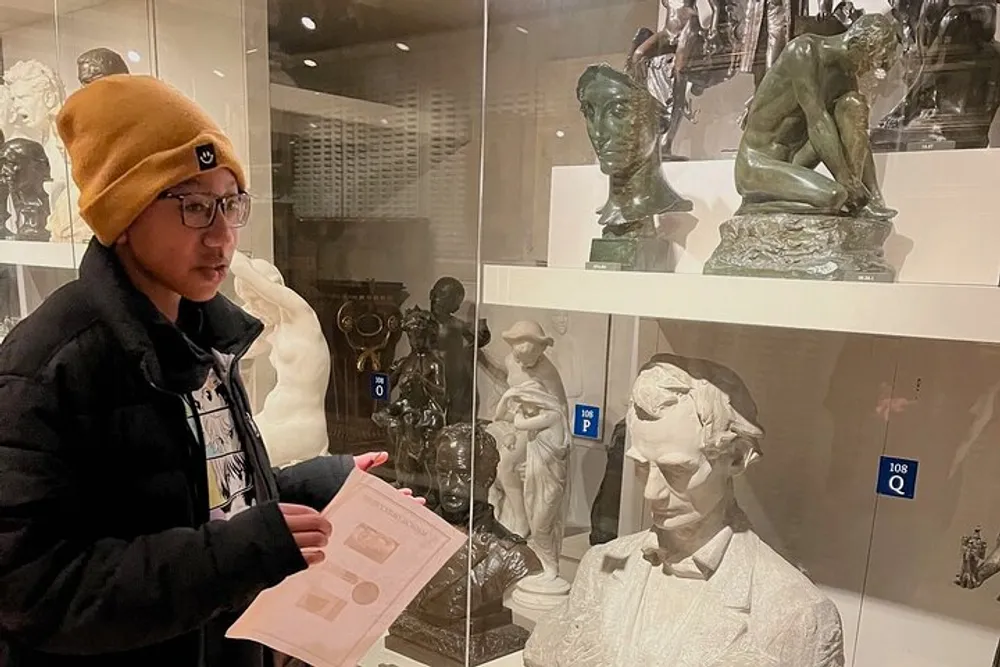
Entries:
{"x":385,"y":547}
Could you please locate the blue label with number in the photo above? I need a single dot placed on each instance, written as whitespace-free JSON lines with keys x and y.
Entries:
{"x":380,"y":386}
{"x":897,"y":478}
{"x":587,"y":421}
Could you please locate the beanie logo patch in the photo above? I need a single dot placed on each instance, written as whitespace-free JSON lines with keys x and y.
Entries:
{"x":206,"y":157}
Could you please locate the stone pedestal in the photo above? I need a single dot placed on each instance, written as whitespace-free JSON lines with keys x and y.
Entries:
{"x":541,"y":592}
{"x":433,"y":645}
{"x":644,"y":253}
{"x":802,"y":245}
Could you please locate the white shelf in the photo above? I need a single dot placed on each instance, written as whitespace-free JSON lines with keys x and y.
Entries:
{"x":948,"y":312}
{"x":42,"y":253}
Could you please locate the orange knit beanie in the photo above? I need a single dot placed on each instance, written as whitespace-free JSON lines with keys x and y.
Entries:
{"x":129,"y":138}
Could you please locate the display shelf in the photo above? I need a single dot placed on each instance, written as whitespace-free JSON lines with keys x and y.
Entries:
{"x":42,"y":253}
{"x":948,"y":312}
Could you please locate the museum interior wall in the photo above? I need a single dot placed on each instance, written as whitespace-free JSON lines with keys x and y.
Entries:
{"x":429,"y":192}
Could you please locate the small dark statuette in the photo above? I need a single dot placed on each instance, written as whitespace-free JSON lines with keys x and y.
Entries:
{"x":457,"y":342}
{"x":623,"y":123}
{"x":432,"y":628}
{"x":952,"y":75}
{"x":795,"y":222}
{"x":98,"y":63}
{"x":412,"y":420}
{"x":607,"y":504}
{"x":977,"y":567}
{"x":24,"y":170}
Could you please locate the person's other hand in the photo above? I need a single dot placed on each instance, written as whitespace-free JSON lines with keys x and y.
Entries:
{"x":409,"y":494}
{"x":365,"y":462}
{"x":309,"y":529}
{"x":369,"y":460}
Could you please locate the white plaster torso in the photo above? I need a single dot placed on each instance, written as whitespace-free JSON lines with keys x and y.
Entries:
{"x":292,"y":420}
{"x":755,"y":610}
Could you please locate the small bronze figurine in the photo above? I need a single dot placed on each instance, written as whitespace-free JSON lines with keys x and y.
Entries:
{"x":435,"y":622}
{"x":413,"y":419}
{"x":457,"y":342}
{"x":973,"y":555}
{"x":977,"y":566}
{"x":808,"y":110}
{"x":98,"y":63}
{"x":24,"y":170}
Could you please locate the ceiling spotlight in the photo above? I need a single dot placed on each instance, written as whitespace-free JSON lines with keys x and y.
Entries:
{"x":309,"y":62}
{"x":134,"y":56}
{"x":218,"y":74}
{"x":521,"y":29}
{"x":560,"y":134}
{"x":308,"y":23}
{"x":402,"y":46}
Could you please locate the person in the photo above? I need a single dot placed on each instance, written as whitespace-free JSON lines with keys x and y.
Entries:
{"x":138,"y":511}
{"x":699,"y":588}
{"x":808,"y":110}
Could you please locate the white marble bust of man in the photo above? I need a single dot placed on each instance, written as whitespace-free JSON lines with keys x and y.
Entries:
{"x":699,"y":589}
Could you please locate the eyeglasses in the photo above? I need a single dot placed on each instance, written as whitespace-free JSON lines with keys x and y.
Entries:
{"x":198,"y":209}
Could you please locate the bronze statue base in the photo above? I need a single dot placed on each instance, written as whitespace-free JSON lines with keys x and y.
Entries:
{"x":643,"y":253}
{"x":807,"y":246}
{"x":32,"y":234}
{"x":433,"y":645}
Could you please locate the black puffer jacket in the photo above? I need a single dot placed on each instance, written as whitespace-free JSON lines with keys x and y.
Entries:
{"x":107,"y":556}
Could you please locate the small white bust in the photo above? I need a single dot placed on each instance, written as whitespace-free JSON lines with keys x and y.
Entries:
{"x":699,"y":589}
{"x":292,"y":420}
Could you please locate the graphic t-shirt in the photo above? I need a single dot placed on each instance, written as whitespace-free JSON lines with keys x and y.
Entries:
{"x":230,"y":479}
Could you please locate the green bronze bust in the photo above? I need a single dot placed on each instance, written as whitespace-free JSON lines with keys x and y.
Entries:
{"x":623,"y":123}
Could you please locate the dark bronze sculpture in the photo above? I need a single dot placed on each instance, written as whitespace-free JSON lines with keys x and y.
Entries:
{"x":412,"y":420}
{"x":977,"y":566}
{"x":685,"y":58}
{"x":97,"y":63}
{"x":808,"y":110}
{"x":623,"y":123}
{"x":607,"y":505}
{"x":24,"y":170}
{"x":435,"y":622}
{"x":952,"y":76}
{"x":457,"y":342}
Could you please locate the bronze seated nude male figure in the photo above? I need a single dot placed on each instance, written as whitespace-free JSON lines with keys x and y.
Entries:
{"x":808,"y":111}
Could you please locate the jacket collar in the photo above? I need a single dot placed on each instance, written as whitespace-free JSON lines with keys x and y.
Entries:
{"x":172,"y":357}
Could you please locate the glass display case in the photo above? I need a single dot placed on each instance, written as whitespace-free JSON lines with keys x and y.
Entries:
{"x":685,"y":312}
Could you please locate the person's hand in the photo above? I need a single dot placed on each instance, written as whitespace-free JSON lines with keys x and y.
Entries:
{"x":309,"y":529}
{"x":409,"y":494}
{"x":365,"y":462}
